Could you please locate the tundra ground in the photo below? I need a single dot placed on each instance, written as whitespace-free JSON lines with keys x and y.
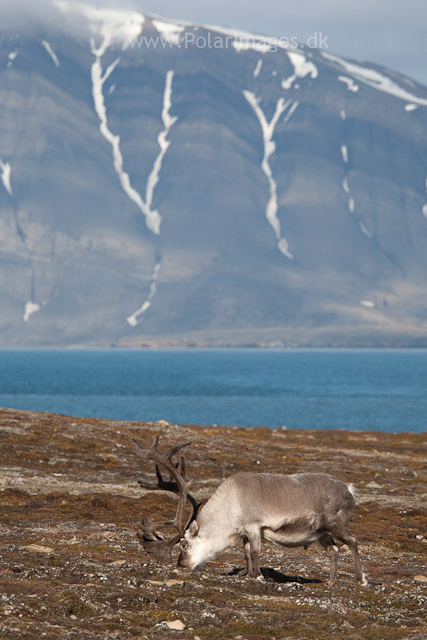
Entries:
{"x":71,"y":566}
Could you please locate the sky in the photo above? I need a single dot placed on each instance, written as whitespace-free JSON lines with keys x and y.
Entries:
{"x":390,"y":33}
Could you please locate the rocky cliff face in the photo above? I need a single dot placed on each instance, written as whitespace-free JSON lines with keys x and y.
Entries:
{"x":173,"y":183}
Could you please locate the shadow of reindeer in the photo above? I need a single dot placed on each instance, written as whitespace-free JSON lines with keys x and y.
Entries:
{"x":277,"y":576}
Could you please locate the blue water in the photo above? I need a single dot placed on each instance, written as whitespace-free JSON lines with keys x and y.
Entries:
{"x":383,"y":390}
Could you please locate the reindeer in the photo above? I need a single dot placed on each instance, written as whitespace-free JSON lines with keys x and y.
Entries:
{"x":289,"y":510}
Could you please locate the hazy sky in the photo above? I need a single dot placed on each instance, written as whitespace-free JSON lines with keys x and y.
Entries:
{"x":389,"y":32}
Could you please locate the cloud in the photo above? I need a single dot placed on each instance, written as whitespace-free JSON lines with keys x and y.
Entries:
{"x":18,"y":13}
{"x":28,"y":15}
{"x":23,"y":13}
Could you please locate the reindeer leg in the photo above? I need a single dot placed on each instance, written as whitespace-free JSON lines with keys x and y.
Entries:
{"x":351,"y":542}
{"x":328,"y":543}
{"x":254,"y":537}
{"x":343,"y":534}
{"x":247,"y":552}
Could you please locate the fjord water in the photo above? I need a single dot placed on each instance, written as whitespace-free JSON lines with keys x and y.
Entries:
{"x":382,"y":390}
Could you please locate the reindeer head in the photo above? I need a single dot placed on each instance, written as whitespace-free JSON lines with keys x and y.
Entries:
{"x":193,"y":549}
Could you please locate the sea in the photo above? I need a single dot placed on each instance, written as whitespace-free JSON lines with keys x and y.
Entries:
{"x":382,"y":390}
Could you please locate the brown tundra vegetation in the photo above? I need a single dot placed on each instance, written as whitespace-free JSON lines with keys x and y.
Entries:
{"x":71,"y":565}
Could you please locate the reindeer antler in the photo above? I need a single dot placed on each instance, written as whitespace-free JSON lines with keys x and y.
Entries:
{"x":152,"y":541}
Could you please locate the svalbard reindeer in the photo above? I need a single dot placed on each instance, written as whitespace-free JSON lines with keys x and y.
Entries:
{"x":289,"y":510}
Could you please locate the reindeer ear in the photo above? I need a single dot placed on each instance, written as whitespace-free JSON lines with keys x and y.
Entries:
{"x":193,"y":529}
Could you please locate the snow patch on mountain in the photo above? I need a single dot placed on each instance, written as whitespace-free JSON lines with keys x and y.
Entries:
{"x":269,"y":149}
{"x":375,"y":79}
{"x":233,"y":33}
{"x":11,"y":57}
{"x":245,"y":40}
{"x":255,"y":45}
{"x":345,"y":185}
{"x":152,"y":218}
{"x":291,"y":110}
{"x":367,"y":233}
{"x":344,"y":152}
{"x":302,"y":68}
{"x":52,"y":54}
{"x":257,"y":68}
{"x":123,"y":27}
{"x":30,"y":308}
{"x":169,"y":31}
{"x":168,"y":121}
{"x":6,"y":170}
{"x":133,"y":320}
{"x":113,"y":26}
{"x":351,"y":85}
{"x":347,"y":191}
{"x":152,"y":181}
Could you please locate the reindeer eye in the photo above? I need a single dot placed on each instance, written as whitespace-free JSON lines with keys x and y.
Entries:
{"x":184,"y":544}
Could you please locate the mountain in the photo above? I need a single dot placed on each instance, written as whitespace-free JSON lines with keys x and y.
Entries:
{"x":165,"y":183}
